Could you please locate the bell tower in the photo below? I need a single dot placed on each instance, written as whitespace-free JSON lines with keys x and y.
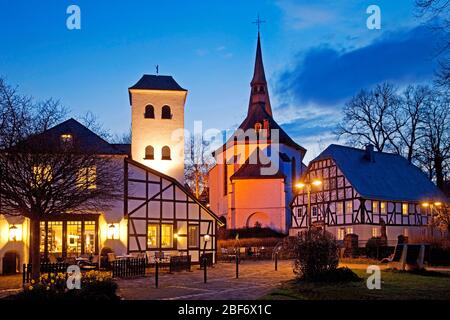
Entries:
{"x":157,"y":124}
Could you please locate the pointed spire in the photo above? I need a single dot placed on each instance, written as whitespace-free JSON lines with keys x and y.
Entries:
{"x":259,"y":93}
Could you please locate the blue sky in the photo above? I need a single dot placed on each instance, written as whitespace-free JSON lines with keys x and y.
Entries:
{"x":316,"y":53}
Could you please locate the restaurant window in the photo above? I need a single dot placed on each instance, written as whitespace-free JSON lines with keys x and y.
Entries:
{"x":166,"y":236}
{"x":73,"y":238}
{"x":87,"y":178}
{"x":383,"y":207}
{"x":349,"y":230}
{"x":89,"y":237}
{"x":54,"y":237}
{"x":152,"y":236}
{"x":193,"y":236}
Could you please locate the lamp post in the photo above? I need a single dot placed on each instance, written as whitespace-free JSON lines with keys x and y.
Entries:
{"x":308,"y":186}
{"x":206,"y":238}
{"x":431,"y":206}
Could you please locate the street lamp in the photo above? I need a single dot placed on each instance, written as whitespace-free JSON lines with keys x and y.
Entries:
{"x":308,"y":186}
{"x":431,"y":206}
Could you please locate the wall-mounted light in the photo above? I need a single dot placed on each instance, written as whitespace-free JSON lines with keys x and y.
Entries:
{"x":15,"y":233}
{"x":175,"y":236}
{"x":113,"y":231}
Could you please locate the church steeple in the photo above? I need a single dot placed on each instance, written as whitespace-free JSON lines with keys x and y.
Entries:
{"x":259,"y":92}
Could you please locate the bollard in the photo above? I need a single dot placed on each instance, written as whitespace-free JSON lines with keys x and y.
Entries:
{"x":156,"y":273}
{"x":237,"y":266}
{"x":204,"y":269}
{"x":276,"y":261}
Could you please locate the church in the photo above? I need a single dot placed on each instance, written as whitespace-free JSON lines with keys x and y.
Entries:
{"x":256,"y":170}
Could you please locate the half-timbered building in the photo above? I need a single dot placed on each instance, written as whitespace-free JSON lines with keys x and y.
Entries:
{"x":361,"y":192}
{"x":156,"y":214}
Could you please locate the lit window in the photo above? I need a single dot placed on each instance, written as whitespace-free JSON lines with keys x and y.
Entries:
{"x":166,"y":236}
{"x":165,"y":113}
{"x":149,"y":112}
{"x":349,"y":230}
{"x":349,"y":207}
{"x":89,"y":237}
{"x":165,"y":153}
{"x":258,"y":127}
{"x":339,"y":208}
{"x":193,"y":236}
{"x":375,"y":232}
{"x":405,"y":209}
{"x":375,"y":206}
{"x":66,"y":139}
{"x":383,"y":207}
{"x":15,"y":232}
{"x":152,"y":236}
{"x":87,"y":178}
{"x":341,"y":234}
{"x":149,"y":153}
{"x":42,"y":174}
{"x":74,"y":238}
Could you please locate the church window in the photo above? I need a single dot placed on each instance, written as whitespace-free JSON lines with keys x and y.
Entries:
{"x":149,"y":112}
{"x":149,"y":153}
{"x":165,"y":153}
{"x":258,"y":127}
{"x":166,"y":113}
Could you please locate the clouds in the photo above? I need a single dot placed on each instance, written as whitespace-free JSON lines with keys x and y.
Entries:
{"x":327,"y":76}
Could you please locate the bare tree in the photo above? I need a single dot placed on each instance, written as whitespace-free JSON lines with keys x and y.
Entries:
{"x":41,"y":176}
{"x":197,"y":164}
{"x":437,"y":12}
{"x":367,"y":117}
{"x":91,"y":121}
{"x":436,"y":140}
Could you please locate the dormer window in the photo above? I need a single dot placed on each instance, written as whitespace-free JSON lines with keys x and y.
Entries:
{"x":149,"y":112}
{"x":66,"y":139}
{"x":166,"y":113}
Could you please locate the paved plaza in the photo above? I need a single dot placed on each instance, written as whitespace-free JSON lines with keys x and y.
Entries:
{"x":256,"y":278}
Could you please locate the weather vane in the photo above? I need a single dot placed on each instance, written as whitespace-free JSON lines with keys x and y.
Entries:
{"x":258,"y":22}
{"x":157,"y":69}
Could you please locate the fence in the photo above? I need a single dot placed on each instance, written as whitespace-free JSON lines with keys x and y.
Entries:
{"x":180,"y":263}
{"x":128,"y":268}
{"x":45,"y":267}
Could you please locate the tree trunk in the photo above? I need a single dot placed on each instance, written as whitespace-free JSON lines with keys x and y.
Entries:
{"x":438,"y":167}
{"x":35,"y":255}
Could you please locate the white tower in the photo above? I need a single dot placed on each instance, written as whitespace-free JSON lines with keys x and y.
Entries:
{"x":157,"y":124}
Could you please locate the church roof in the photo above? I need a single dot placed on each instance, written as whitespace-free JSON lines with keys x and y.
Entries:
{"x":254,"y":170}
{"x":382,"y":176}
{"x":157,"y":82}
{"x":84,"y":139}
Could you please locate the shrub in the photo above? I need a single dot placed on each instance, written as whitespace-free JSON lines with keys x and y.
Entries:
{"x":94,"y":286}
{"x":316,"y":252}
{"x":244,"y":233}
{"x":376,"y":248}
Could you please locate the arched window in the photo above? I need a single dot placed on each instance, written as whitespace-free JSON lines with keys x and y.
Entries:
{"x":149,"y":153}
{"x":149,"y":112}
{"x":165,"y":113}
{"x":165,"y":153}
{"x":258,"y":127}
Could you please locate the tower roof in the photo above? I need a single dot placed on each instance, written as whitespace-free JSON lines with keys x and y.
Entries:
{"x":157,"y":82}
{"x":259,"y":91}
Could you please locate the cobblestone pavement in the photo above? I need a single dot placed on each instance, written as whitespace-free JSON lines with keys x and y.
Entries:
{"x":256,"y":278}
{"x":10,"y":285}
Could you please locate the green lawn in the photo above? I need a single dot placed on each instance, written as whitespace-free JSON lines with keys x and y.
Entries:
{"x":395,"y":285}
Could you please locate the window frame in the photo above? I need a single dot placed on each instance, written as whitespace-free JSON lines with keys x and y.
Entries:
{"x":146,"y":111}
{"x":197,"y":245}
{"x":164,"y":114}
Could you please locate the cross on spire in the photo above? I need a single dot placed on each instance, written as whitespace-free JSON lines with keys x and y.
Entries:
{"x":258,"y":22}
{"x":157,"y":69}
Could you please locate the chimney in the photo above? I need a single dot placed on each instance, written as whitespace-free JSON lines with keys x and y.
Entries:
{"x":369,"y":153}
